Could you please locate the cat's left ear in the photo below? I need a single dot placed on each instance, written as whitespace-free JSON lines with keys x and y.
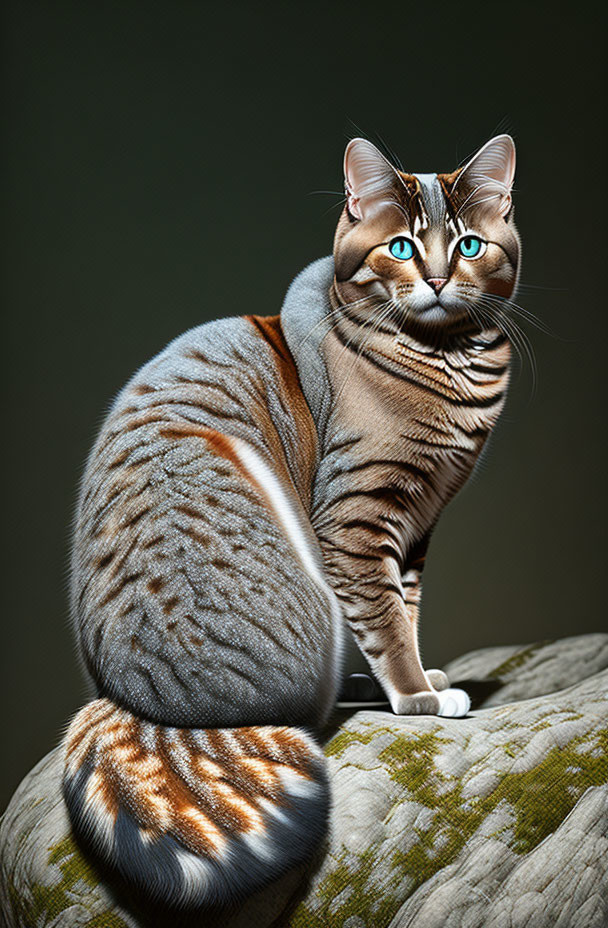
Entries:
{"x":488,"y":176}
{"x":369,"y":179}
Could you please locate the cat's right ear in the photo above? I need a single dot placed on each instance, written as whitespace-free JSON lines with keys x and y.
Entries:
{"x":369,"y":179}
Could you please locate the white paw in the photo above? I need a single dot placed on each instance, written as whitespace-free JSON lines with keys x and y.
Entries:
{"x":423,"y":703}
{"x":437,"y":679}
{"x":453,"y":703}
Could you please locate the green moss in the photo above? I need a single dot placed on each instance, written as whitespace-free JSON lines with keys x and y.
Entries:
{"x":411,"y":761}
{"x":540,"y":726}
{"x":369,"y":900}
{"x":539,"y":800}
{"x":549,"y":720}
{"x":66,"y":855}
{"x":344,"y":739}
{"x":44,"y":904}
{"x":543,"y":796}
{"x":516,"y":660}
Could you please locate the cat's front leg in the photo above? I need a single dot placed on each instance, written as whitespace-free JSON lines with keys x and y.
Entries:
{"x":452,"y":702}
{"x":409,"y":688}
{"x":383,"y":616}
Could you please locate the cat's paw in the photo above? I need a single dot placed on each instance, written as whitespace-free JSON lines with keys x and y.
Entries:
{"x":423,"y":703}
{"x":438,"y":679}
{"x":453,"y":703}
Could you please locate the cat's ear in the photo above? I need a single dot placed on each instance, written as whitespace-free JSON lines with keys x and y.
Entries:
{"x":369,"y":179}
{"x":488,"y":176}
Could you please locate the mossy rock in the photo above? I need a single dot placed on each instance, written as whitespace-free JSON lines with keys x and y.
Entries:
{"x":499,"y":820}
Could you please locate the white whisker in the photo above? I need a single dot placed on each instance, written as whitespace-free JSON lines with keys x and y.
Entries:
{"x":332,"y":314}
{"x":383,"y":311}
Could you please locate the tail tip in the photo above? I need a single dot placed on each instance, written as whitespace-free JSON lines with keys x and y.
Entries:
{"x":113,"y":825}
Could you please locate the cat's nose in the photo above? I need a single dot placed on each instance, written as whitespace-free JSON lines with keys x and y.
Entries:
{"x":436,"y":283}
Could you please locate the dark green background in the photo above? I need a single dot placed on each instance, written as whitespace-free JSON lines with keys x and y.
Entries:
{"x":159,"y":162}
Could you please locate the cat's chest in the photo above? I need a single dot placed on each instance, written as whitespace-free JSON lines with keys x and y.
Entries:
{"x":404,"y":434}
{"x":412,"y":404}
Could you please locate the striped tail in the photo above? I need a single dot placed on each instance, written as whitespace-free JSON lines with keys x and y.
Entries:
{"x":193,"y":817}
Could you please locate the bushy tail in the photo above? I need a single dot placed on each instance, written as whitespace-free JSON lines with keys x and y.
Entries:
{"x":193,"y":817}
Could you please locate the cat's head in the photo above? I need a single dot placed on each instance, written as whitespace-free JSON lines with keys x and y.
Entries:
{"x":439,"y":251}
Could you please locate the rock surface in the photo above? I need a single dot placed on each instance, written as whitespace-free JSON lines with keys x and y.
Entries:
{"x":499,"y":820}
{"x":532,"y":670}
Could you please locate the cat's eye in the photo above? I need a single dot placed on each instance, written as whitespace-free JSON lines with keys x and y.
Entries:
{"x":471,"y":246}
{"x":401,"y":248}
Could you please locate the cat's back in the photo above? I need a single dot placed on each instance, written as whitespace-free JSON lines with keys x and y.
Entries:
{"x":232,"y":361}
{"x":204,"y":460}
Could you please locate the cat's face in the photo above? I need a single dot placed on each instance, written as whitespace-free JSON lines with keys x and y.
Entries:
{"x":432,"y":253}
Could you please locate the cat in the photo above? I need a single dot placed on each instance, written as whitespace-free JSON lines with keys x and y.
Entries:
{"x":259,"y":485}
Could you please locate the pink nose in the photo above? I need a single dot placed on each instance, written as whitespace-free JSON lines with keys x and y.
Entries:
{"x":436,"y":283}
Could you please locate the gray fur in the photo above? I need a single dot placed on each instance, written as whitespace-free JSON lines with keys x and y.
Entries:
{"x":433,"y":198}
{"x":306,"y":318}
{"x":305,"y":323}
{"x":250,"y":634}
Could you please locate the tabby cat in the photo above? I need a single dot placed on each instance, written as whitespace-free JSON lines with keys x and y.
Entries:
{"x":259,"y":483}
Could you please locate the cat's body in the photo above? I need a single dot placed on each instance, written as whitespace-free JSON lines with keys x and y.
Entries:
{"x":259,"y":482}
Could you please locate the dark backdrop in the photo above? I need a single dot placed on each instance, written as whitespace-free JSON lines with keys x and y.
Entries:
{"x":160,"y":163}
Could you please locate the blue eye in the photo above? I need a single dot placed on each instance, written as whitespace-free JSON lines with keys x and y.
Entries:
{"x":401,"y":248}
{"x":470,"y":246}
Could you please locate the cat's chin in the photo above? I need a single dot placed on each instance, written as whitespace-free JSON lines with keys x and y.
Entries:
{"x":436,"y":322}
{"x":436,"y":314}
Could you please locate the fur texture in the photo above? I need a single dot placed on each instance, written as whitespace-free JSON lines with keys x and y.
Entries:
{"x":254,"y":487}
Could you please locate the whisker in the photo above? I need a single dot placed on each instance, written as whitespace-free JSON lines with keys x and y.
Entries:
{"x":492,"y":314}
{"x":364,"y":325}
{"x":337,"y":193}
{"x":337,"y":205}
{"x":516,"y":335}
{"x":349,"y":341}
{"x":472,"y":194}
{"x":334,"y":312}
{"x":382,"y":312}
{"x":492,"y":196}
{"x":524,"y":286}
{"x":522,"y":311}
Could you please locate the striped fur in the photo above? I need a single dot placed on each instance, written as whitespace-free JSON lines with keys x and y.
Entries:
{"x":256,"y":484}
{"x":191,"y":816}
